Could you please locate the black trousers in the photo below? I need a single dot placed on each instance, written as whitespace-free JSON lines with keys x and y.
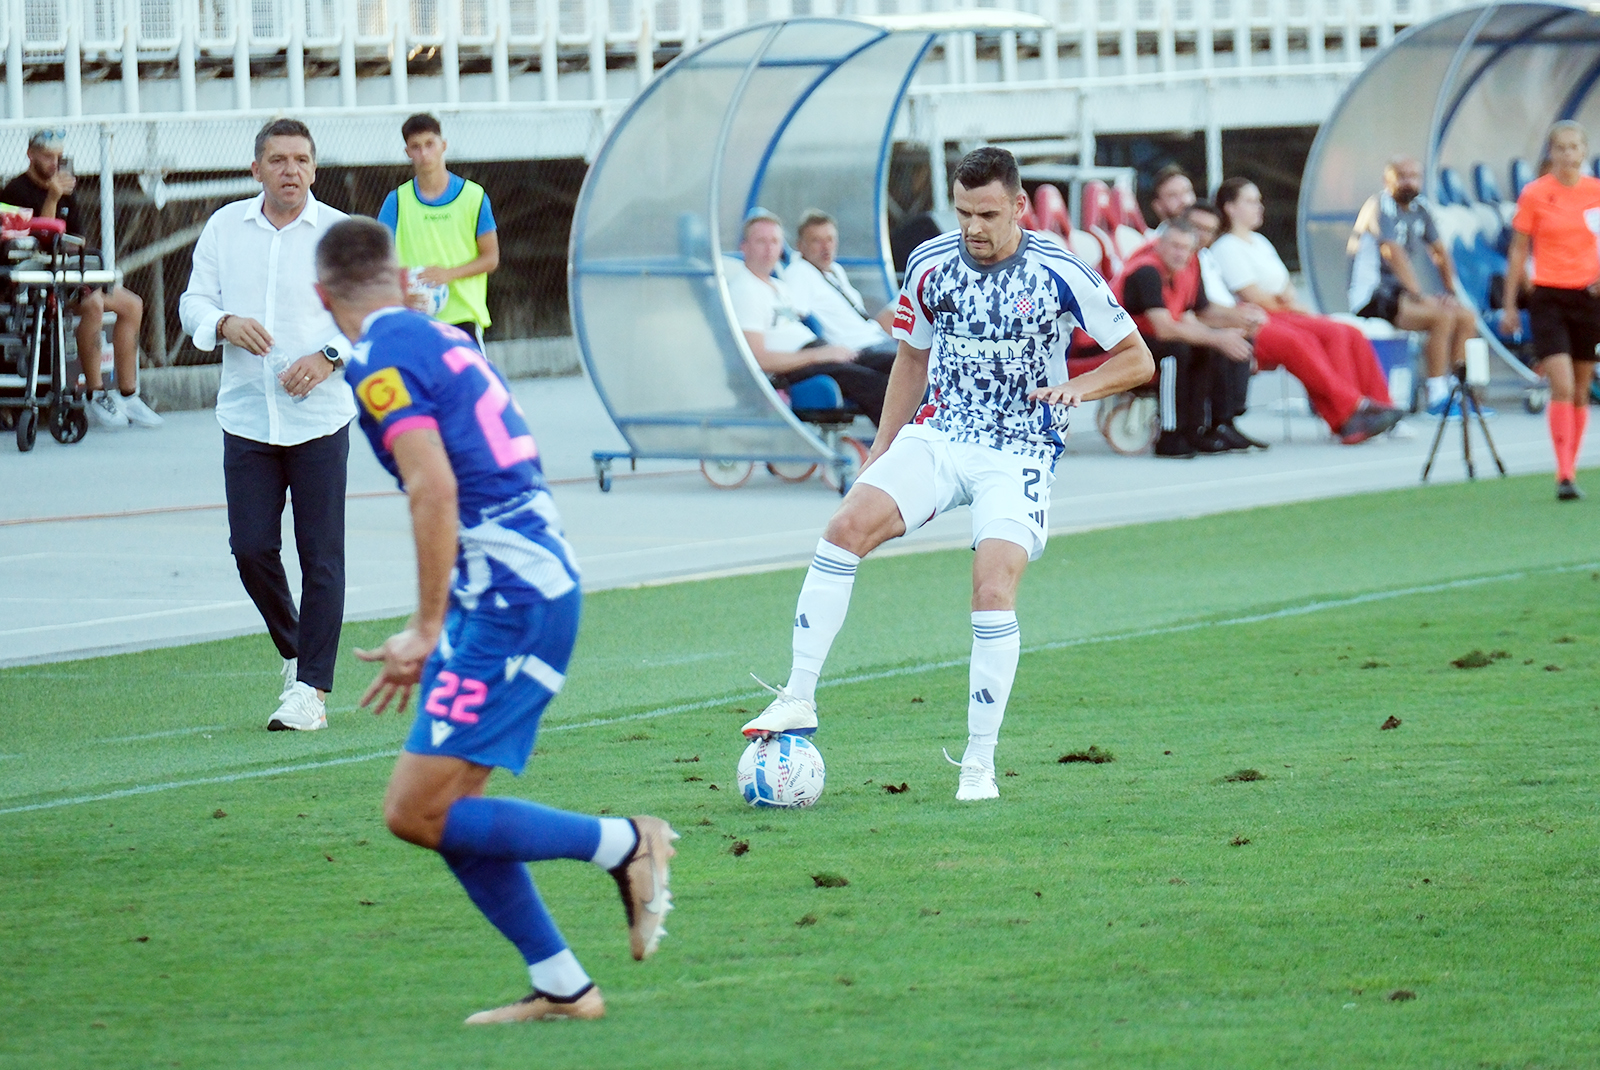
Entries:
{"x":257,"y":475}
{"x":1200,"y":388}
{"x":864,"y":380}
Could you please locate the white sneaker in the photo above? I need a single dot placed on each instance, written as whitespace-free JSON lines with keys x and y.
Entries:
{"x":291,"y":674}
{"x":785,"y":714}
{"x":1402,"y":432}
{"x":976,"y":782}
{"x":104,"y":410}
{"x":302,"y":711}
{"x":138,"y":413}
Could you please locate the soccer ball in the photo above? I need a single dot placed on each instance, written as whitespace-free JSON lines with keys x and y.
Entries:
{"x":435,"y":296}
{"x":785,"y":771}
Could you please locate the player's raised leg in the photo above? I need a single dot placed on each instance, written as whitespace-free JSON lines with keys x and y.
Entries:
{"x":866,"y":519}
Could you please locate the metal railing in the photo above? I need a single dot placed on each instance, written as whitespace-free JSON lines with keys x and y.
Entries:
{"x":353,"y":41}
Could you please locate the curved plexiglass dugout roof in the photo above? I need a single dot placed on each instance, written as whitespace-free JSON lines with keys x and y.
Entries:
{"x":1476,"y":86}
{"x":784,"y":115}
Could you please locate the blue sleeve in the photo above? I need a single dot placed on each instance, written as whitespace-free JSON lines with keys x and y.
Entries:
{"x":485,"y":217}
{"x":389,"y":214}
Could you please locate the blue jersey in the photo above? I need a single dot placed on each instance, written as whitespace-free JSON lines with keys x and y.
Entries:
{"x":412,"y":372}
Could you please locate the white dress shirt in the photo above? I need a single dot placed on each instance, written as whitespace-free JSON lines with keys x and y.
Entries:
{"x":836,"y":304}
{"x":246,"y":267}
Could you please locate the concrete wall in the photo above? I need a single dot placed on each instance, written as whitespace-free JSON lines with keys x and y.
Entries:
{"x":195,"y":387}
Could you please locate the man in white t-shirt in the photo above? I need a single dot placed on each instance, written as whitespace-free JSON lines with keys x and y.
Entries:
{"x":817,"y":281}
{"x":773,"y":323}
{"x":984,"y":318}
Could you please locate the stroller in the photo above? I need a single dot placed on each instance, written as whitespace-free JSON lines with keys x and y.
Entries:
{"x":42,"y":270}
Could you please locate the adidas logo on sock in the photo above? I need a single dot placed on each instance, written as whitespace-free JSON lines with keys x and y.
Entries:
{"x":983,"y":697}
{"x":801,"y":622}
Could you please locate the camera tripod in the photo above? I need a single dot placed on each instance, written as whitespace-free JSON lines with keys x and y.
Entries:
{"x":1461,"y":394}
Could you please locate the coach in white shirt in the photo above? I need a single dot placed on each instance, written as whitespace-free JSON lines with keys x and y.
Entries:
{"x":283,"y":406}
{"x":817,"y":281}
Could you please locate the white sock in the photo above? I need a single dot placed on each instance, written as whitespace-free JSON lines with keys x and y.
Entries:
{"x":1438,"y":388}
{"x":559,"y":975}
{"x":616,"y":842}
{"x":996,"y":645}
{"x":819,"y":614}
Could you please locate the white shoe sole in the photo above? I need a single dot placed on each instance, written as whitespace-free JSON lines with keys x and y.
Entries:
{"x":276,"y":725}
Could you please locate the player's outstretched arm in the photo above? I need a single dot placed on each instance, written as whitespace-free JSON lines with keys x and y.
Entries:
{"x":1128,"y":366}
{"x":908,"y":382}
{"x":431,"y":487}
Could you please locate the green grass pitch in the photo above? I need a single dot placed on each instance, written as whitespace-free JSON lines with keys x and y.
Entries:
{"x":1422,"y":896}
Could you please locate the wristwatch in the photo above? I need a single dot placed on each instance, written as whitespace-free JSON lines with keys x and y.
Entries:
{"x":333,"y":357}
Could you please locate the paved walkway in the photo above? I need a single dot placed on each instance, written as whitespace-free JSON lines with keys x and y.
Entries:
{"x":120,"y":541}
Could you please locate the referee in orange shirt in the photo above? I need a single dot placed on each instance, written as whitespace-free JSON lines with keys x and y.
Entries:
{"x":1558,"y":218}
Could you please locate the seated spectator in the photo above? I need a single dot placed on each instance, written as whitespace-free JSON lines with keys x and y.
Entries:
{"x":1392,"y":232}
{"x":1346,"y":385}
{"x":1230,"y":383}
{"x":46,"y":187}
{"x":785,"y":348}
{"x":816,"y":281}
{"x":1160,"y":288}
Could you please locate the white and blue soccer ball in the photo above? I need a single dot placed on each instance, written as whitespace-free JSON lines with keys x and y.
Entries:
{"x":434,"y":297}
{"x":785,"y":771}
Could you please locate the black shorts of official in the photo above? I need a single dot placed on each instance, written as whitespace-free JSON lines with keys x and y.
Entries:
{"x":1564,"y":321}
{"x":1385,"y":305}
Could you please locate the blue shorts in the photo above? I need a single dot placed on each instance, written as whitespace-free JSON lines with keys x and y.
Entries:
{"x":486,"y":685}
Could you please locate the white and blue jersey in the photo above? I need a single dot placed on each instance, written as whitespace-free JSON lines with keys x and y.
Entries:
{"x":412,"y":372}
{"x":515,"y":598}
{"x":997,"y":332}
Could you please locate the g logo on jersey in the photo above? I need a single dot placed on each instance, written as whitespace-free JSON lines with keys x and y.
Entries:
{"x":905,"y":317}
{"x":383,"y":392}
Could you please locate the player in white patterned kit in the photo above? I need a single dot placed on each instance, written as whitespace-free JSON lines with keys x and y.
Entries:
{"x":985,"y":318}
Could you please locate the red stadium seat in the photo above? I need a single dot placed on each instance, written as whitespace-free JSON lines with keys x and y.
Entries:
{"x":1132,"y":215}
{"x":1099,"y":219}
{"x":1050,"y":210}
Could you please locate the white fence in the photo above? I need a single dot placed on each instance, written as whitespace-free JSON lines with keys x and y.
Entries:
{"x":350,"y":51}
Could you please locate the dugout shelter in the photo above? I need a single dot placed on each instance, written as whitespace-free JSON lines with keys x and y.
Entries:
{"x":783,"y":115}
{"x":1471,"y":94}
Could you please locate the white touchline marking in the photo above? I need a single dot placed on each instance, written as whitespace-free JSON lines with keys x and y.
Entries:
{"x":861,"y":678}
{"x":230,"y":778}
{"x":201,"y":608}
{"x":163,"y":735}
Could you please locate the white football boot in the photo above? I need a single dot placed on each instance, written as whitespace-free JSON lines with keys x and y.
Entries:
{"x":302,"y":711}
{"x":138,"y":413}
{"x":786,"y":714}
{"x":976,"y":780}
{"x":291,"y":674}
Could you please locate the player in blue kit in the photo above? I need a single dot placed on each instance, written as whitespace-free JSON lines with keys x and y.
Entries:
{"x":984,"y":318}
{"x":497,"y":614}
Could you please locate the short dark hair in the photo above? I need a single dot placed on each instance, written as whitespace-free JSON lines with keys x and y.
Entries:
{"x":420,"y":123}
{"x":1167,"y":174}
{"x":284,"y":128}
{"x":1178,"y":224}
{"x":1227,"y":193}
{"x":989,"y":164}
{"x":354,"y":254}
{"x":1205,"y":207}
{"x":813,"y":217}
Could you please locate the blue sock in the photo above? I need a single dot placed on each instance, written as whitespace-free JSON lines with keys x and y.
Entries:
{"x":504,"y":891}
{"x":517,"y":830}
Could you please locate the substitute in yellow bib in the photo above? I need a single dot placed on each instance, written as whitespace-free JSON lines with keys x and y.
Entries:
{"x":443,"y":225}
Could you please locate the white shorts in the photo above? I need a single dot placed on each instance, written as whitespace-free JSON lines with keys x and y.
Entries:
{"x":926,"y":474}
